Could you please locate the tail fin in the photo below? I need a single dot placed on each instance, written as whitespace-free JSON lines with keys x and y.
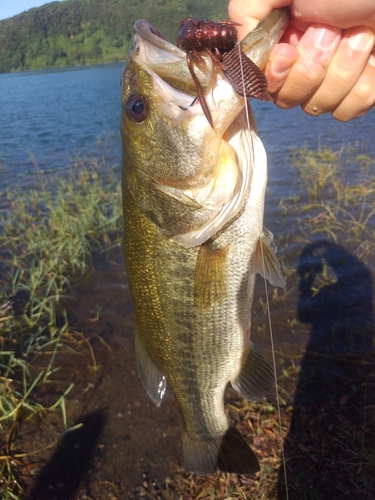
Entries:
{"x":229,"y":453}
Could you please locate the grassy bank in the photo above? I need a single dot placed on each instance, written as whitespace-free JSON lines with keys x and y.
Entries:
{"x":48,"y":236}
{"x":335,"y":197}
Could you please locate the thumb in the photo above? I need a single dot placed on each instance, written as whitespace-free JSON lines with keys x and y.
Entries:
{"x":249,"y":12}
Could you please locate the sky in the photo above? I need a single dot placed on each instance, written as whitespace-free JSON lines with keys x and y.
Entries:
{"x":9,"y":8}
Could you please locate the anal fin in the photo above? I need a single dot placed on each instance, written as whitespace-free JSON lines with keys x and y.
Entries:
{"x":229,"y":453}
{"x":256,"y":378}
{"x":210,"y":282}
{"x":153,"y":379}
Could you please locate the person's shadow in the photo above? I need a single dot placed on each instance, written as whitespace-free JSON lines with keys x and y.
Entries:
{"x":330,"y":446}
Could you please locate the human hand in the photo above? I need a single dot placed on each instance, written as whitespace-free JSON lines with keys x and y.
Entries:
{"x":326,"y":59}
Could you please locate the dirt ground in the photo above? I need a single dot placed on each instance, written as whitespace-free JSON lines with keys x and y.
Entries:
{"x":126,"y":445}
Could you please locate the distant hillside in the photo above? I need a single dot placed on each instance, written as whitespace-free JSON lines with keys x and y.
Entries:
{"x":78,"y":32}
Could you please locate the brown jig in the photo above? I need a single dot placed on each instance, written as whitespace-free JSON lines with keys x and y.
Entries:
{"x":219,"y":41}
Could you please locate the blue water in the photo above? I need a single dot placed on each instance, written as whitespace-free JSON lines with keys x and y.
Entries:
{"x":50,"y":118}
{"x":54,"y":115}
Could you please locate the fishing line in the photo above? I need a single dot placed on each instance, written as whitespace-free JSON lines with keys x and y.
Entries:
{"x":275,"y":373}
{"x":247,"y":106}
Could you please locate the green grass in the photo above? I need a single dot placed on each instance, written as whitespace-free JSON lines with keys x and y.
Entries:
{"x":47,"y":238}
{"x":331,"y":202}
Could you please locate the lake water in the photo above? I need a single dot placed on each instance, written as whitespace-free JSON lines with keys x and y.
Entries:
{"x":49,"y":118}
{"x":54,"y":115}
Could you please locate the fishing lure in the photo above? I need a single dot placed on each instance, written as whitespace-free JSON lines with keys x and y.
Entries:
{"x":219,"y":40}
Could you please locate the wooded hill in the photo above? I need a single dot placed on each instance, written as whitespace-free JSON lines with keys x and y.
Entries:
{"x":78,"y":32}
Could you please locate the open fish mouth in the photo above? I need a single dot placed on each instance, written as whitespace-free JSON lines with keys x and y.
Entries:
{"x":166,"y":59}
{"x":169,"y":67}
{"x":173,"y":81}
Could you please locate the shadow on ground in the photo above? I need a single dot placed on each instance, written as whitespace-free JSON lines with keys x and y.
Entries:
{"x":60,"y":478}
{"x":329,"y":449}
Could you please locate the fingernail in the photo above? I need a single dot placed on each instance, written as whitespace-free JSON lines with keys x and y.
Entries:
{"x":371,"y":60}
{"x":360,"y":41}
{"x":323,"y":38}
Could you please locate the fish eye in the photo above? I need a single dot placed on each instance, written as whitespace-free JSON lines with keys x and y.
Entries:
{"x":137,"y":108}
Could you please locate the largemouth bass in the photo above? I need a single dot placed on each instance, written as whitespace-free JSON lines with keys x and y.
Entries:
{"x":193,"y":198}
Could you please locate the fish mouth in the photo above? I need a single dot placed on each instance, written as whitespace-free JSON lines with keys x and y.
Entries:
{"x":166,"y":59}
{"x":173,"y":82}
{"x":257,"y":45}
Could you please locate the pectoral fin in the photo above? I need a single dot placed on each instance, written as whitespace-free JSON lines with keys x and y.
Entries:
{"x":210,"y":282}
{"x":266,"y":263}
{"x":256,"y":378}
{"x":153,"y":379}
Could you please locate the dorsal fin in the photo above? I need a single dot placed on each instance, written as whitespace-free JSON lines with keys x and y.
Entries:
{"x":266,"y":263}
{"x":256,"y":378}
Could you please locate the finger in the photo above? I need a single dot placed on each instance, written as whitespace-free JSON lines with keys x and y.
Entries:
{"x":316,"y":49}
{"x":292,"y":36}
{"x":344,"y":70}
{"x":361,"y":98}
{"x":249,"y":14}
{"x":282,"y":58}
{"x":334,"y":12}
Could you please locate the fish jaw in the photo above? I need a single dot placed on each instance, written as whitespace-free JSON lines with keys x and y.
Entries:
{"x":168,"y":63}
{"x":259,"y":43}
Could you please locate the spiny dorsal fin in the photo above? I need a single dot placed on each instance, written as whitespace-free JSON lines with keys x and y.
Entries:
{"x":266,"y":263}
{"x":256,"y":378}
{"x":153,"y":379}
{"x":210,"y":275}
